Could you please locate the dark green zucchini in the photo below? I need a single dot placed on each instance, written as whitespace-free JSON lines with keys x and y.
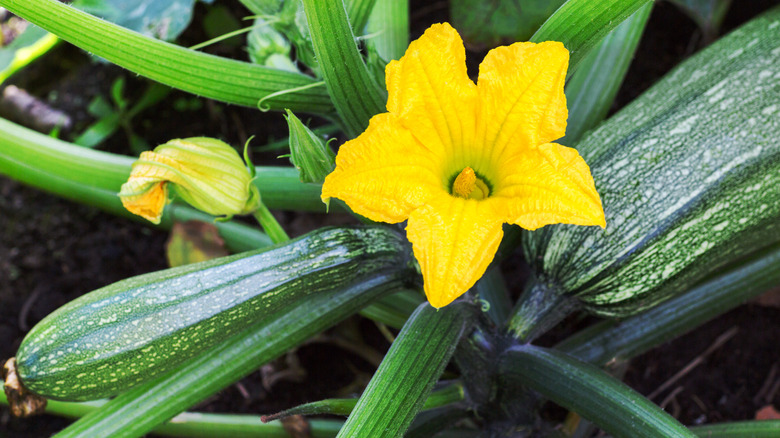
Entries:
{"x":115,"y":337}
{"x":689,"y":175}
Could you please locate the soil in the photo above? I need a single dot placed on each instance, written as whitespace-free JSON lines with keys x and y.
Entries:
{"x":52,"y":251}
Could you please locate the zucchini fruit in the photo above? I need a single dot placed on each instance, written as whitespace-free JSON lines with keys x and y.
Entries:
{"x":689,"y":175}
{"x":115,"y":337}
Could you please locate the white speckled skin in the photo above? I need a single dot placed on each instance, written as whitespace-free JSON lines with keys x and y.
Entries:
{"x":125,"y":333}
{"x":689,"y":175}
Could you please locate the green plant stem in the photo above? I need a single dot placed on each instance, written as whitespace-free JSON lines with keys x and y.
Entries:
{"x":52,"y":165}
{"x":358,"y":12}
{"x":206,"y":75}
{"x":139,"y":410}
{"x":610,"y":340}
{"x":270,"y":225}
{"x":395,"y":309}
{"x":589,"y":391}
{"x":399,"y":387}
{"x":542,"y":305}
{"x":581,"y":24}
{"x":592,"y":89}
{"x":740,"y":429}
{"x":388,"y":26}
{"x":343,"y":406}
{"x":201,"y":425}
{"x":355,"y":94}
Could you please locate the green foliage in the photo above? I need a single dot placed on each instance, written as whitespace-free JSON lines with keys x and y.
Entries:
{"x":688,"y":174}
{"x":119,"y":114}
{"x":493,"y":21}
{"x":163,"y":20}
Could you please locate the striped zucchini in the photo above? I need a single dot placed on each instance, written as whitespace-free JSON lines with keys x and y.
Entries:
{"x":689,"y":175}
{"x":115,"y":337}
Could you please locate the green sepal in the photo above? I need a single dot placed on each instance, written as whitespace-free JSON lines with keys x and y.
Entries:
{"x":308,"y":152}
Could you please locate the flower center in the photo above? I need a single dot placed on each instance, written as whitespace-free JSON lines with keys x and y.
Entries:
{"x":469,"y":186}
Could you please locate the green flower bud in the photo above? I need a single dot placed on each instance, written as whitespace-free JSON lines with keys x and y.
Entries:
{"x":308,"y":152}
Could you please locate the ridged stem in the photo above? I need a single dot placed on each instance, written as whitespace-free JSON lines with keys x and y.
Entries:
{"x":542,"y":305}
{"x":589,"y":391}
{"x":406,"y":376}
{"x":355,"y":94}
{"x":358,"y":12}
{"x":205,"y":75}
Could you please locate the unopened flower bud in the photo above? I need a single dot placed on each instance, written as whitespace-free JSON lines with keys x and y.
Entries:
{"x":308,"y":152}
{"x":207,"y":173}
{"x":269,"y":47}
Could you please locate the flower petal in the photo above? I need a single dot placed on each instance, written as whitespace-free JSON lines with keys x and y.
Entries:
{"x":145,"y":197}
{"x":385,"y":173}
{"x":430,"y":92}
{"x":522,"y":104}
{"x":454,"y":240}
{"x":547,"y":185}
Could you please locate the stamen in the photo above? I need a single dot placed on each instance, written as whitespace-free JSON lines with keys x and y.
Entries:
{"x":465,"y":183}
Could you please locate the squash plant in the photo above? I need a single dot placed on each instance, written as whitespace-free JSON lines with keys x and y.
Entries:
{"x":688,"y":175}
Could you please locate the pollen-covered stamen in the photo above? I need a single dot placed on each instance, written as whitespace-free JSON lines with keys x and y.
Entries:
{"x":468,"y":185}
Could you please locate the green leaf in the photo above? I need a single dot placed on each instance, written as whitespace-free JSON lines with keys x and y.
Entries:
{"x":630,"y":337}
{"x":403,"y":381}
{"x":210,"y":76}
{"x":581,"y":24}
{"x":592,"y":89}
{"x":489,"y":22}
{"x":588,"y":391}
{"x":164,"y":20}
{"x":139,"y":410}
{"x":354,"y":92}
{"x":25,"y":48}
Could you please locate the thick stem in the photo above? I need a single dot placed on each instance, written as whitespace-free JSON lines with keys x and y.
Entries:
{"x":270,"y":224}
{"x":542,"y":305}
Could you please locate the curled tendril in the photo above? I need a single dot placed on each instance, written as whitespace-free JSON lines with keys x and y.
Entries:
{"x":266,"y":108}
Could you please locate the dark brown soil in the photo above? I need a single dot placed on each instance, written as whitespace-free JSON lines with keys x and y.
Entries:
{"x":51,"y":251}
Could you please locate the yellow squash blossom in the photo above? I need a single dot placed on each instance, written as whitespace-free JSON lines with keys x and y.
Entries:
{"x":207,"y":173}
{"x":459,"y":159}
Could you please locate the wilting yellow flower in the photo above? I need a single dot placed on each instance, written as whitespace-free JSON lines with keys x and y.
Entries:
{"x":459,"y":159}
{"x":207,"y":173}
